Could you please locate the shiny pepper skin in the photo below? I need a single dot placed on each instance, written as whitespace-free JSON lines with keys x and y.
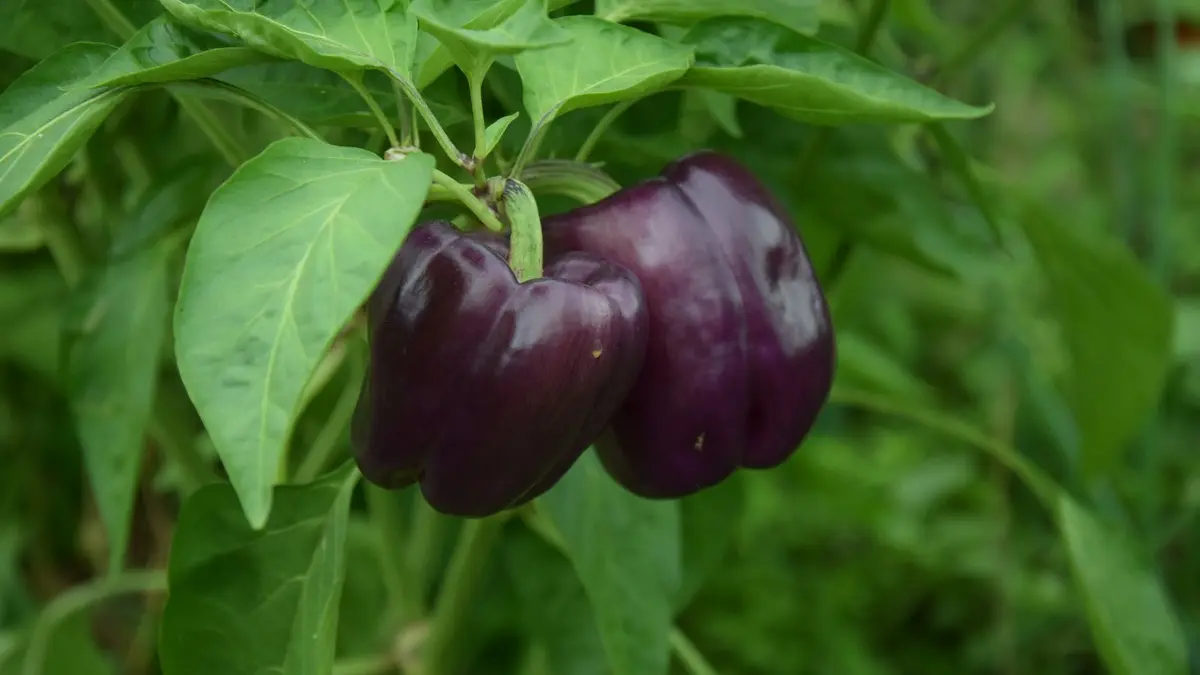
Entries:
{"x":740,"y":352}
{"x":483,"y":389}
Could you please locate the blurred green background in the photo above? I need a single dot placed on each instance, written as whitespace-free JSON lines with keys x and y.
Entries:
{"x":885,"y":546}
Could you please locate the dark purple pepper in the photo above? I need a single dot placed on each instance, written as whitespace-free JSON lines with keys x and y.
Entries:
{"x":483,"y":389}
{"x":740,"y":353}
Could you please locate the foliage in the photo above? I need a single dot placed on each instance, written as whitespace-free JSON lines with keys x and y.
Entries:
{"x":197,"y":196}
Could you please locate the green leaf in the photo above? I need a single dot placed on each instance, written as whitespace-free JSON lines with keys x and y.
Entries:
{"x":1118,"y":327}
{"x":1132,"y":622}
{"x":801,"y":16}
{"x":709,"y":519}
{"x":810,"y":80}
{"x":474,"y":49}
{"x":284,"y":253}
{"x":47,"y":115}
{"x":38,"y":28}
{"x":112,"y":370}
{"x":553,"y":604}
{"x":319,"y":96}
{"x":247,"y":601}
{"x":626,"y":551}
{"x":604,"y":63}
{"x":340,"y":35}
{"x":165,"y":51}
{"x":494,"y":133}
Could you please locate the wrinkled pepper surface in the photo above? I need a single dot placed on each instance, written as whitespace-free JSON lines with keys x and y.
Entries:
{"x":483,"y":389}
{"x":740,"y":351}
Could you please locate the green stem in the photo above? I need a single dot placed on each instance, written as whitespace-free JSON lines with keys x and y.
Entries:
{"x":1121,"y":144}
{"x":242,"y":97}
{"x":325,"y":444}
{"x":532,"y":143}
{"x":602,"y":126}
{"x":475,"y":83}
{"x":584,"y":183}
{"x":356,"y":81}
{"x":454,"y":604}
{"x":407,"y":136}
{"x":423,"y":546}
{"x":469,"y":200}
{"x":1165,"y":160}
{"x":525,"y":248}
{"x":953,"y":428}
{"x":689,"y":656}
{"x":78,"y":599}
{"x":113,"y":18}
{"x":439,"y":133}
{"x":389,"y":527}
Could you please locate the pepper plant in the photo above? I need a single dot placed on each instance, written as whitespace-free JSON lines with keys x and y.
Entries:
{"x":390,"y":292}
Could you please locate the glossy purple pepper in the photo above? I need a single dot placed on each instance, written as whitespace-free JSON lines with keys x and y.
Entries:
{"x":740,"y":352}
{"x":483,"y":389}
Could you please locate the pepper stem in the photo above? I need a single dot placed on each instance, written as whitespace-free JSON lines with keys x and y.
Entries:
{"x":525,"y":245}
{"x":454,"y":602}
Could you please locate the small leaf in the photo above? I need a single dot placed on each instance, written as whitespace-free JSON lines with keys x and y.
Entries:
{"x":284,"y":253}
{"x":802,"y":16}
{"x":47,"y":115}
{"x":495,"y":131}
{"x":1132,"y":622}
{"x":709,"y":520}
{"x":246,"y":601}
{"x":474,"y":49}
{"x":165,"y":51}
{"x":553,"y":604}
{"x":319,"y":96}
{"x":340,"y":35}
{"x":604,"y":63}
{"x":1118,"y":327}
{"x":810,"y":80}
{"x":626,"y":552}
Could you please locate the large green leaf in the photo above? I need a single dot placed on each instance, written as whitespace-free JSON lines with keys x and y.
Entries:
{"x":604,"y":62}
{"x":810,"y":80}
{"x":47,"y":115}
{"x":801,"y":16}
{"x":248,"y":602}
{"x":1131,"y":618}
{"x":527,"y":27}
{"x":284,"y":253}
{"x":165,"y":51}
{"x":626,"y":551}
{"x":1118,"y":327}
{"x":341,"y":35}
